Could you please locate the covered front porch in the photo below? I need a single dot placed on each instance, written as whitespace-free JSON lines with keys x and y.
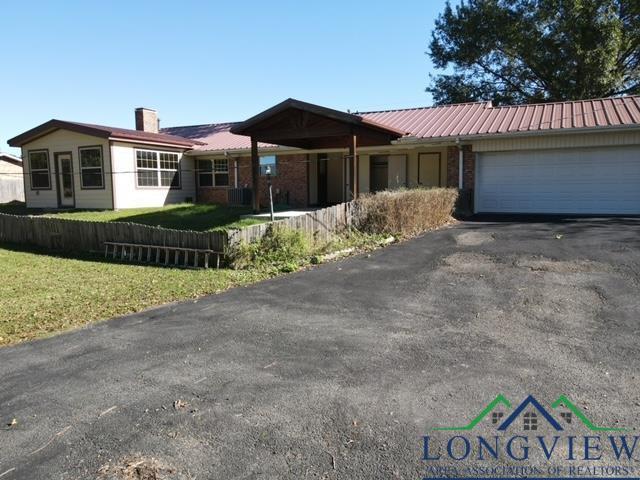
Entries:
{"x":331,"y":177}
{"x":378,"y":169}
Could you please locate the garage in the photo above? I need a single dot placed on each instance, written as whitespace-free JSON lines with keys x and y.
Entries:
{"x":603,"y":180}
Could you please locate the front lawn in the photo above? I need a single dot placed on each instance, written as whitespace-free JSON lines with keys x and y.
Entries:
{"x":183,"y":216}
{"x":42,"y":294}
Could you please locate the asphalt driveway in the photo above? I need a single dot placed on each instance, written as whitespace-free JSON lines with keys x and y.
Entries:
{"x":339,"y":371}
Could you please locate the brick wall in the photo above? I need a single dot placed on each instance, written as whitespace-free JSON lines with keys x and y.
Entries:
{"x":469,"y":160}
{"x":213,"y":195}
{"x":217,"y":194}
{"x":464,"y":206}
{"x":289,"y":186}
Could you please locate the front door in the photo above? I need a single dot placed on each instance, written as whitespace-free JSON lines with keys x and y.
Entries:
{"x":64,"y":169}
{"x":379,"y":179}
{"x":429,"y":169}
{"x":322,"y":179}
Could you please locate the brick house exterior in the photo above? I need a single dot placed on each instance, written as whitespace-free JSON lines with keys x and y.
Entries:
{"x":469,"y":166}
{"x":290,"y":185}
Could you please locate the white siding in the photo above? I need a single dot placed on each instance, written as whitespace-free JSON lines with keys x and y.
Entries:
{"x":555,"y":140}
{"x":129,"y":195}
{"x":66,"y":141}
{"x":11,"y":182}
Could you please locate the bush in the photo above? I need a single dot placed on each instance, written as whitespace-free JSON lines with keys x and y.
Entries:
{"x":404,"y":213}
{"x":280,"y":248}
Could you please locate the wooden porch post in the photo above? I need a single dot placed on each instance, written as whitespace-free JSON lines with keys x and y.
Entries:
{"x":255,"y":175}
{"x":353,"y":152}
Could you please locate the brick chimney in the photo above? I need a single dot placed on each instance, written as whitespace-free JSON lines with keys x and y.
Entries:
{"x":147,"y":120}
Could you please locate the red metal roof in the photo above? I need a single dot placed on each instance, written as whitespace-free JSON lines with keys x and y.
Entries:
{"x":468,"y":119}
{"x":460,"y":120}
{"x":215,"y":136}
{"x":101,"y":131}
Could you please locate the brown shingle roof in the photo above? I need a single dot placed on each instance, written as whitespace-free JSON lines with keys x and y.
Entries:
{"x":460,"y":120}
{"x":102,"y":131}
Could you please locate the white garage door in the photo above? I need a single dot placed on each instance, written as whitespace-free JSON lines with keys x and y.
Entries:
{"x":583,"y":181}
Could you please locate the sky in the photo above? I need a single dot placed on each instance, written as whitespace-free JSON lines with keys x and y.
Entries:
{"x":201,"y":62}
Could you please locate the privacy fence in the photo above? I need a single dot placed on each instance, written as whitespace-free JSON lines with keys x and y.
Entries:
{"x":83,"y":236}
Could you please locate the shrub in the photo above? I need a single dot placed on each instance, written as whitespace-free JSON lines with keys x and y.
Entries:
{"x":280,"y":248}
{"x":404,"y":213}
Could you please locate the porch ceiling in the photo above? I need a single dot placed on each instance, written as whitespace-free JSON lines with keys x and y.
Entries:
{"x":304,"y":125}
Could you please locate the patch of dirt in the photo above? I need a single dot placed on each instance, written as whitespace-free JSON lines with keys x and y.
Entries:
{"x":542,"y":264}
{"x":137,"y":468}
{"x":468,"y":262}
{"x":472,"y":239}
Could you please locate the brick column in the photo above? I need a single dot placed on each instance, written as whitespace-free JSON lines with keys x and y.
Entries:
{"x":452,"y":167}
{"x":469,"y":160}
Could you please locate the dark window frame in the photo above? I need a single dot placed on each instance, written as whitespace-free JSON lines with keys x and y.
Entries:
{"x":48,"y":169}
{"x":263,"y":168}
{"x":91,"y":147}
{"x":212,"y":173}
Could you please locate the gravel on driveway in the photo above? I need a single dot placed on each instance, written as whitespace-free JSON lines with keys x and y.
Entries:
{"x":339,"y":371}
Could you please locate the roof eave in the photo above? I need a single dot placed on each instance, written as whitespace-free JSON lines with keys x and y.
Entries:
{"x":527,"y":133}
{"x":52,"y":126}
{"x":134,"y":139}
{"x":242,"y":128}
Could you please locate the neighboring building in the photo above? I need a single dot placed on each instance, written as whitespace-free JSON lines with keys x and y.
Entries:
{"x":572,"y":157}
{"x":11,"y":181}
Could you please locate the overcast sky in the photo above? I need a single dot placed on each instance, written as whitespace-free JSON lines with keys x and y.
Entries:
{"x":204,"y":62}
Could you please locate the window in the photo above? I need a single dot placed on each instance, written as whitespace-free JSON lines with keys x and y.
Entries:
{"x":157,"y":169}
{"x":530,"y":421}
{"x":39,"y":169}
{"x":566,"y":416}
{"x":268,"y":161}
{"x":496,"y":416}
{"x":213,"y":173}
{"x":91,"y":173}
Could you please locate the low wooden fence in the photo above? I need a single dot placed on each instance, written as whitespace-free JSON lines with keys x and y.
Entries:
{"x":320,"y":225}
{"x":81,"y":236}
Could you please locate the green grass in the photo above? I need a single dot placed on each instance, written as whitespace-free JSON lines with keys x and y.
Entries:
{"x":183,"y":216}
{"x":42,"y":294}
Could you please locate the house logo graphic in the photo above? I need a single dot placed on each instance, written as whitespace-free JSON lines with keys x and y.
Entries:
{"x":532,"y":413}
{"x":531,"y":439}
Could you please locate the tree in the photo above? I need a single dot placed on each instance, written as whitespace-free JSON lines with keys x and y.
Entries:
{"x":529,"y":51}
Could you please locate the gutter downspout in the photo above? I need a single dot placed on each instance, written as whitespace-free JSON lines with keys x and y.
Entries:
{"x":236,"y":172}
{"x":460,"y":165}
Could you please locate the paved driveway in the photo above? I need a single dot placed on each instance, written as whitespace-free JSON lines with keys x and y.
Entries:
{"x":337,"y":372}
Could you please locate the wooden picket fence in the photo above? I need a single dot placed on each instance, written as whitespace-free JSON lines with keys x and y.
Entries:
{"x":320,"y":225}
{"x":82,"y":236}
